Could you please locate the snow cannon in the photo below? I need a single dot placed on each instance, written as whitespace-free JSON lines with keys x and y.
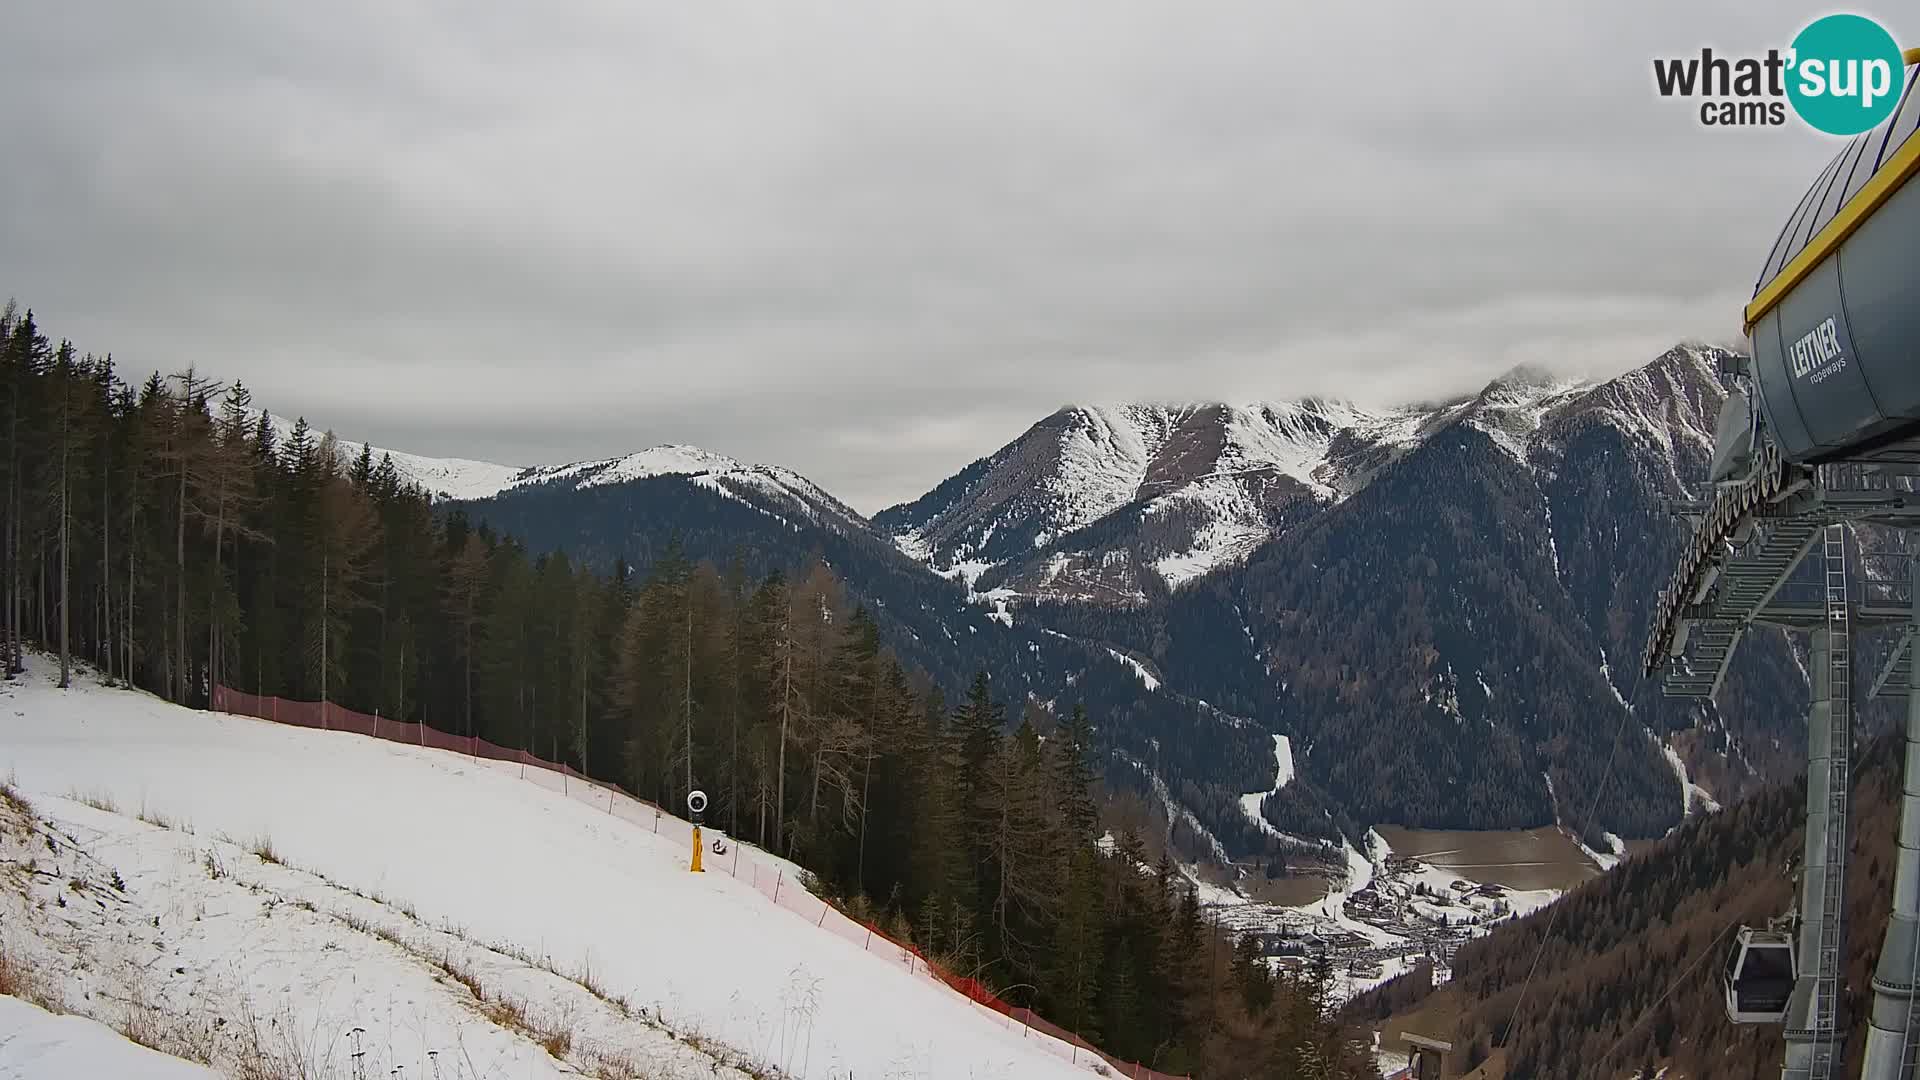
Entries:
{"x":1835,"y":317}
{"x":696,"y":806}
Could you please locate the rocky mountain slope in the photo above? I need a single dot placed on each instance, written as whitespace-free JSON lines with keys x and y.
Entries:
{"x":1437,"y":637}
{"x":1126,"y":503}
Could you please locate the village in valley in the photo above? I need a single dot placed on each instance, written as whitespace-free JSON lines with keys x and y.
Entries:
{"x":1390,"y":912}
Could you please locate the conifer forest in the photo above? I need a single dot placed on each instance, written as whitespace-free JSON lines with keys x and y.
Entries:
{"x":168,"y":533}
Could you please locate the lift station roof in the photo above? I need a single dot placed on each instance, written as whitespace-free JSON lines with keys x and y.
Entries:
{"x":1835,"y":318}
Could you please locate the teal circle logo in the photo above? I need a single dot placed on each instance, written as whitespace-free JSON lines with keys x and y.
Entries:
{"x":1845,"y":74}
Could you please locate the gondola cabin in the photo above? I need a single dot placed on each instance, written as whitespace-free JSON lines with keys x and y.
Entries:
{"x":1759,"y":976}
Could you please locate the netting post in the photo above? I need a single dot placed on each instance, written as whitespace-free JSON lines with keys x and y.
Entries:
{"x":776,"y":886}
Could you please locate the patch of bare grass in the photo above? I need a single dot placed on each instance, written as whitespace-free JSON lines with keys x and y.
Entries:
{"x":99,"y":800}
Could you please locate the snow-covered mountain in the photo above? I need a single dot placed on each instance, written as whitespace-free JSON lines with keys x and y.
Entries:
{"x":464,"y":480}
{"x":443,"y":478}
{"x":1122,"y":503}
{"x":1456,"y":574}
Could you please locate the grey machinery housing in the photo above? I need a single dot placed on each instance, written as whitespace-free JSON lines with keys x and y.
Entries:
{"x":1835,"y":321}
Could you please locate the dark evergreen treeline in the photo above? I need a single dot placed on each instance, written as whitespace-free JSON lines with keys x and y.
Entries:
{"x":170,"y":535}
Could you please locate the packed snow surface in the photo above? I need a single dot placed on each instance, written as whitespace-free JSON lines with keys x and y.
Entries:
{"x":35,"y":1043}
{"x":475,"y":852}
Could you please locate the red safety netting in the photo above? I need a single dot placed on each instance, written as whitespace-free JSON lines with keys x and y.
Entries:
{"x":773,"y":877}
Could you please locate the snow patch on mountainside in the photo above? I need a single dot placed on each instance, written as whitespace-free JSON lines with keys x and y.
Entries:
{"x":1221,"y":543}
{"x":1292,"y":438}
{"x":1104,"y":456}
{"x":1282,"y":776}
{"x":1605,"y":860}
{"x":1512,"y":408}
{"x":1174,"y":811}
{"x":1693,"y":797}
{"x":1140,"y":669}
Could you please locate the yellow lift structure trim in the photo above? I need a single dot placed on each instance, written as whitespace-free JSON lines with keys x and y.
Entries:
{"x":1893,"y":175}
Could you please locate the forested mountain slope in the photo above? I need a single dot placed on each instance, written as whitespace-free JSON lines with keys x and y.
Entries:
{"x":1658,"y":925}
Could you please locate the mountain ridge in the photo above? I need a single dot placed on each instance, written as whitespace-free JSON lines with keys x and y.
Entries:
{"x":1207,"y":576}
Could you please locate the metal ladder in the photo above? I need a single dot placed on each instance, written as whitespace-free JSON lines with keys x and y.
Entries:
{"x":1826,"y":1002}
{"x":1910,"y":1040}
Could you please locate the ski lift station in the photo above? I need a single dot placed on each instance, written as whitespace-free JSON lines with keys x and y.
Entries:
{"x":1817,"y":459}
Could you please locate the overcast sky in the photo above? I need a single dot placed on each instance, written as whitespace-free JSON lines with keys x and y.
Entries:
{"x":869,"y":240}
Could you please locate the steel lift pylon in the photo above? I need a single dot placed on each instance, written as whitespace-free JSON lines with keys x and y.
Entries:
{"x":1739,"y":572}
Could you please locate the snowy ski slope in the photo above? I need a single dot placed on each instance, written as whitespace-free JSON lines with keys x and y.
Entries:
{"x":35,"y":1043}
{"x":475,"y":850}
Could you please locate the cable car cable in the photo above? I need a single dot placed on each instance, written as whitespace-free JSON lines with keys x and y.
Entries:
{"x":1553,"y":914}
{"x":1712,"y":945}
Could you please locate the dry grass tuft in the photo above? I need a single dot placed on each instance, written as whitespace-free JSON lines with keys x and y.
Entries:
{"x":557,"y":1043}
{"x":11,"y":797}
{"x":159,"y":820}
{"x":99,"y":800}
{"x":21,"y":981}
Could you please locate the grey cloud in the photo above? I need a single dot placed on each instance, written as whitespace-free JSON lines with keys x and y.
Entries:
{"x":869,"y":241}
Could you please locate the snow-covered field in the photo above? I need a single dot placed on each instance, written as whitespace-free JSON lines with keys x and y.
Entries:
{"x":402,"y":881}
{"x":34,"y":1042}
